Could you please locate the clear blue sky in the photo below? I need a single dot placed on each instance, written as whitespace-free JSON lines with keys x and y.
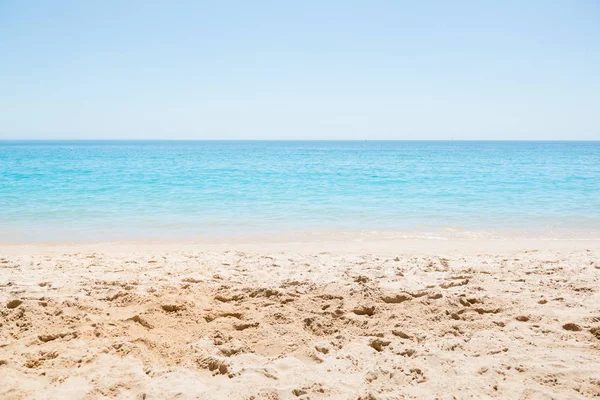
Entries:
{"x":300,"y":69}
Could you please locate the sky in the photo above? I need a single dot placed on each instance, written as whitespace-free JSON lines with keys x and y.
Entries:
{"x":328,"y":69}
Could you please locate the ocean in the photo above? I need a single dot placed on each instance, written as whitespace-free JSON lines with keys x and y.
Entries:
{"x":116,"y":190}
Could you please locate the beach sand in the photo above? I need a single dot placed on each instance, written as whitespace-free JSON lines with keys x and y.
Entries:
{"x":368,"y":319}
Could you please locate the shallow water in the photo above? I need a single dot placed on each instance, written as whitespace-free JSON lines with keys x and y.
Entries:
{"x":88,"y":190}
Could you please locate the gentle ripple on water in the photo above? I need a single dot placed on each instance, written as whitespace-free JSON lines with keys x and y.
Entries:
{"x":119,"y":189}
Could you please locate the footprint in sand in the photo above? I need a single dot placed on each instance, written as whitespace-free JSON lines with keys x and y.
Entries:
{"x":379,"y":344}
{"x":364,"y":310}
{"x":172,"y":307}
{"x":572,"y":327}
{"x":241,"y":327}
{"x":400,"y":334}
{"x":225,"y":299}
{"x":395,"y":299}
{"x":142,"y":321}
{"x":213,"y":364}
{"x":54,"y":336}
{"x":14,"y":303}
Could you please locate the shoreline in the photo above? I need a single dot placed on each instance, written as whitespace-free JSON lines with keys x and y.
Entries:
{"x":316,"y":243}
{"x":295,"y":234}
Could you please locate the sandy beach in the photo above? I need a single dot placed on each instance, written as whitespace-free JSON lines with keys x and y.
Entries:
{"x":364,"y":319}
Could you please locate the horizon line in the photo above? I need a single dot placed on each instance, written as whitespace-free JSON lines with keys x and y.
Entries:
{"x":292,"y":140}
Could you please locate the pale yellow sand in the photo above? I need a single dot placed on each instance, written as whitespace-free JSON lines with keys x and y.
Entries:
{"x":366,"y":319}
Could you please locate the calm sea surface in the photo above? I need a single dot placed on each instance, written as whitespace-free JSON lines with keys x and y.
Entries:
{"x":81,"y":190}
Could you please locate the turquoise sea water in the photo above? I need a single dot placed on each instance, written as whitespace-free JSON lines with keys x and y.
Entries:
{"x":88,"y":190}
